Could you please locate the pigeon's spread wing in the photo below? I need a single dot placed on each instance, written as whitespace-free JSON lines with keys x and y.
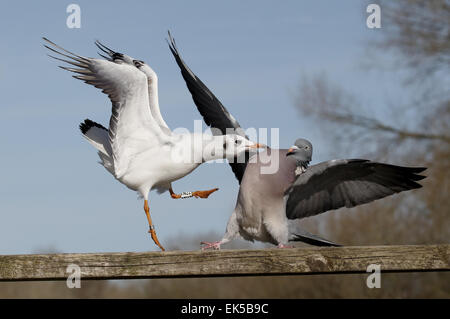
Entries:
{"x":213,"y":112}
{"x":338,"y":183}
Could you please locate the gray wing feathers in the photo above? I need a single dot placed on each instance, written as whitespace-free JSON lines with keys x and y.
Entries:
{"x":346,"y":183}
{"x":213,"y":112}
{"x":312,"y":239}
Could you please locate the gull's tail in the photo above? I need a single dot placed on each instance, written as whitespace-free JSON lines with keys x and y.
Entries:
{"x":97,"y":135}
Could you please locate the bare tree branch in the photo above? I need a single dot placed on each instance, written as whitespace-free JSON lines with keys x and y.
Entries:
{"x":376,"y":125}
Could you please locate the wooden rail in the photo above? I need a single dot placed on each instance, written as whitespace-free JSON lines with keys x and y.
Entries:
{"x":295,"y":261}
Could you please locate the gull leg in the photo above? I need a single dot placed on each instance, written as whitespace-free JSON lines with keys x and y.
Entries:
{"x":152,"y":228}
{"x":173,"y":195}
{"x":196,"y":194}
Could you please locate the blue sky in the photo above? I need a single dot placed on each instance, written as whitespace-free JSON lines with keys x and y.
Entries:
{"x":251,"y":54}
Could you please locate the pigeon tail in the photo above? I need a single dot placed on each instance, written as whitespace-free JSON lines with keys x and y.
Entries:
{"x":314,"y":240}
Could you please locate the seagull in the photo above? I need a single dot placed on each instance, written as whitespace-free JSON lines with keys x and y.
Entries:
{"x":138,"y":148}
{"x":268,"y":202}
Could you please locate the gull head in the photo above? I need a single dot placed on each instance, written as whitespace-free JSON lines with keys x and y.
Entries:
{"x":235,"y":145}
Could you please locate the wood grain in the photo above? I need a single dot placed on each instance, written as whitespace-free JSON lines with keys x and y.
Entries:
{"x":295,"y":261}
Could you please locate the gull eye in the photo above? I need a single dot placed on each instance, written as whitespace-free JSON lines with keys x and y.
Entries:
{"x":237,"y":142}
{"x":137,"y":63}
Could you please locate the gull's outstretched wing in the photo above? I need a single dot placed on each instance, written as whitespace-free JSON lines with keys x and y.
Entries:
{"x":131,"y":128}
{"x":338,"y":183}
{"x":152,"y":81}
{"x":213,"y":112}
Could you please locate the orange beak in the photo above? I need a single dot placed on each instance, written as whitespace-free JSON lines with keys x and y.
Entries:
{"x":258,"y":145}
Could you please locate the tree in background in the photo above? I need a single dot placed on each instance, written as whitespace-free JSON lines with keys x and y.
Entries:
{"x":414,"y":133}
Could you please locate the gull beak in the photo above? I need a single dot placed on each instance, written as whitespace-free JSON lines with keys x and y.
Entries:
{"x":258,"y":145}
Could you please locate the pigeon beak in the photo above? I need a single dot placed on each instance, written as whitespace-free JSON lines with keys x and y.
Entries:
{"x":290,"y":151}
{"x":258,"y":145}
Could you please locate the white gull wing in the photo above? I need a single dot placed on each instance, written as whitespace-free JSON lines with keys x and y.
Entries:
{"x":152,"y":81}
{"x":152,"y":85}
{"x":132,"y":129}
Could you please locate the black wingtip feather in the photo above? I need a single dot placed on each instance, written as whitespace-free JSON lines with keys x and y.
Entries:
{"x":173,"y":46}
{"x":213,"y":112}
{"x":88,"y":124}
{"x":314,"y":241}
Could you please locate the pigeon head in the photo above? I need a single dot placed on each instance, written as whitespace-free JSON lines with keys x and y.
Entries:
{"x":301,"y":151}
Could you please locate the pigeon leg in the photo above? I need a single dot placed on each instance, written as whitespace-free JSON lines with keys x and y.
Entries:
{"x":231,"y":232}
{"x":196,"y":194}
{"x":215,"y":245}
{"x":284,"y":246}
{"x":207,"y":245}
{"x":152,"y":227}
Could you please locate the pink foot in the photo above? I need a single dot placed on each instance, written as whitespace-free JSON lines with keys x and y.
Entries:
{"x":284,"y":246}
{"x":207,"y":245}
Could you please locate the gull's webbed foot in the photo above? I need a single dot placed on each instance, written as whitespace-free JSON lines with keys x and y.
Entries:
{"x":204,"y":194}
{"x":155,"y":238}
{"x":196,"y":194}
